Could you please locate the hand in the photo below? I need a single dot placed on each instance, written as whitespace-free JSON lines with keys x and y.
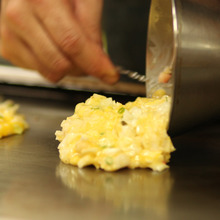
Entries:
{"x":55,"y":37}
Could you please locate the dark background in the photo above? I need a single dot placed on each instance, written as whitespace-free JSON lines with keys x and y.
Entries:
{"x":125,"y":23}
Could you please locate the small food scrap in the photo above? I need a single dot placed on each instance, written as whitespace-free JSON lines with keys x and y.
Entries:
{"x":159,"y":93}
{"x":165,"y":75}
{"x":111,"y":136}
{"x":10,"y":121}
{"x":121,"y":190}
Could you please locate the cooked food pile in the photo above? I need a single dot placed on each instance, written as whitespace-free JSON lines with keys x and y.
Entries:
{"x":10,"y":121}
{"x":111,"y":136}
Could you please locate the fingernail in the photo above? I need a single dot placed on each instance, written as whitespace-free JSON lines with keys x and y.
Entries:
{"x":54,"y":78}
{"x":110,"y":79}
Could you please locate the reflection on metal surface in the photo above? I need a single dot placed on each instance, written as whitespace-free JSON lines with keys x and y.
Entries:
{"x":127,"y":189}
{"x":11,"y":141}
{"x":39,"y":197}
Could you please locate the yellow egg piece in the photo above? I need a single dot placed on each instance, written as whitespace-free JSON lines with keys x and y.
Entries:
{"x":11,"y":122}
{"x":111,"y":136}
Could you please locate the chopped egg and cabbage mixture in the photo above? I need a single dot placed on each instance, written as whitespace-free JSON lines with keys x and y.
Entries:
{"x":111,"y":136}
{"x":10,"y":121}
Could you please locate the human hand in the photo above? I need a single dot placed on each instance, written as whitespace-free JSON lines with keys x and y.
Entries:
{"x":56,"y":38}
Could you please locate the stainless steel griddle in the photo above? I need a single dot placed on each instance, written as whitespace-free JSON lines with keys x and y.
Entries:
{"x":34,"y":184}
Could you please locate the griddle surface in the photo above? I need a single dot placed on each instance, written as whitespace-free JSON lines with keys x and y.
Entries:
{"x":34,"y":184}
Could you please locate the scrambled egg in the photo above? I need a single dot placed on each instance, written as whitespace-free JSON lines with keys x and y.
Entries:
{"x":111,"y":136}
{"x":10,"y":121}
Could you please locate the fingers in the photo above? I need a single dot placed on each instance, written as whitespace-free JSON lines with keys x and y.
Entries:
{"x":24,"y":58}
{"x":72,"y":40}
{"x":25,"y":26}
{"x":90,"y":20}
{"x":49,"y":37}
